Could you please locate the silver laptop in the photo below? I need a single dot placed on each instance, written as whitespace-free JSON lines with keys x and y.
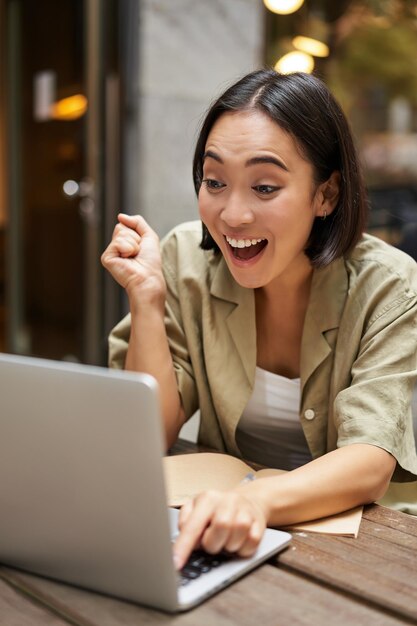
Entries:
{"x":82,"y":488}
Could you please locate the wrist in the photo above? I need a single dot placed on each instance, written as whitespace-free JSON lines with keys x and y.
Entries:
{"x":150,"y":293}
{"x":258,"y":496}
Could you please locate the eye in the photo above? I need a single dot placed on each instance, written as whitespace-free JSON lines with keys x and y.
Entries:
{"x":212,"y":184}
{"x":265,"y":190}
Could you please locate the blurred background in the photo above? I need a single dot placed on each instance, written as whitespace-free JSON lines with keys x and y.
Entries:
{"x":100,"y":104}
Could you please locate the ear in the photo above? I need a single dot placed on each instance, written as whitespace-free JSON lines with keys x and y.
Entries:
{"x":328,"y":195}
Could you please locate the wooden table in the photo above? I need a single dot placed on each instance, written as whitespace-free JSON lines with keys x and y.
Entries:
{"x":319,"y":580}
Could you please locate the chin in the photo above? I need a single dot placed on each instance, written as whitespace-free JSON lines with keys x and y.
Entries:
{"x":249,"y":282}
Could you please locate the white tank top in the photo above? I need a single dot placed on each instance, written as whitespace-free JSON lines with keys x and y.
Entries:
{"x":269,"y":431}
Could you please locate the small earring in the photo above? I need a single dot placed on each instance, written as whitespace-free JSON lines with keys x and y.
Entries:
{"x":323,"y":217}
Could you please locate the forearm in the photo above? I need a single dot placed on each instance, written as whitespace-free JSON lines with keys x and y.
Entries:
{"x":148,"y":351}
{"x":133,"y":257}
{"x":342,"y":479}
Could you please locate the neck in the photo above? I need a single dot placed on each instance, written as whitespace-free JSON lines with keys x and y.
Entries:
{"x":290,"y":285}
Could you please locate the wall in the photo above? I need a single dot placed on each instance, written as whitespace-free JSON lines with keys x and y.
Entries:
{"x":189,"y":50}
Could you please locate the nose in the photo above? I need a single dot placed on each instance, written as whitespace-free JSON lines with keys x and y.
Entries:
{"x":236,"y":211}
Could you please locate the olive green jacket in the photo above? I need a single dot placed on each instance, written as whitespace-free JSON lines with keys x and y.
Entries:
{"x":358,"y":354}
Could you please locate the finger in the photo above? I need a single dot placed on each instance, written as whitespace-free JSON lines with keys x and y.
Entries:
{"x":127,"y":248}
{"x":128,"y":243}
{"x":124,"y":247}
{"x":252,"y":541}
{"x":220,"y":529}
{"x":238,"y":536}
{"x":110,"y":254}
{"x":137,"y":223}
{"x":185,"y":512}
{"x":194,"y":528}
{"x":123,"y":230}
{"x":150,"y":249}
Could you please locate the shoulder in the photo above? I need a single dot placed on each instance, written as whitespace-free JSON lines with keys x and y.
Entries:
{"x":381,"y":284}
{"x":182,"y":256}
{"x":377,"y":263}
{"x":192,"y":229}
{"x":185,"y":236}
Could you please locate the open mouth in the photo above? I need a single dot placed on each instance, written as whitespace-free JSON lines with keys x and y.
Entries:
{"x":246,"y":249}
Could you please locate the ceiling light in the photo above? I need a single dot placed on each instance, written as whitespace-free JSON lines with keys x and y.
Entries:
{"x":69,"y":108}
{"x":295,"y":62}
{"x":311,"y":46}
{"x":283,"y":7}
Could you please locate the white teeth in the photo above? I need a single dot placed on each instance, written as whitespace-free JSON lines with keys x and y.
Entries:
{"x":243,"y":243}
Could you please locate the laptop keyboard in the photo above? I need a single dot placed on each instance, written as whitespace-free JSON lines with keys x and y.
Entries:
{"x":200,"y":563}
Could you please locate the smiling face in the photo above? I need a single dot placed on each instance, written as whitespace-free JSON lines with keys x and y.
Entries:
{"x":259,"y":199}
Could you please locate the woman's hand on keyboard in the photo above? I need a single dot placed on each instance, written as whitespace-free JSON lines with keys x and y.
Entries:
{"x":216,"y":521}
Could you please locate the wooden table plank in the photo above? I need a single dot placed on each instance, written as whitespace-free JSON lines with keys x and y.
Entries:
{"x":268,"y":596}
{"x":18,"y":610}
{"x":372,"y":567}
{"x":389,"y":535}
{"x":392,"y":519}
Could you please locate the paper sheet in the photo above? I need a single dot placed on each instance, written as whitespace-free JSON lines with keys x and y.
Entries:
{"x":344,"y":524}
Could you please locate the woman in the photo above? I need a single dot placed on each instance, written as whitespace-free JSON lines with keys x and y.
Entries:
{"x":292,"y":332}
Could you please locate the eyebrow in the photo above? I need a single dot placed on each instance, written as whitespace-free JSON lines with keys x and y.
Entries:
{"x":267,"y":159}
{"x":253,"y":161}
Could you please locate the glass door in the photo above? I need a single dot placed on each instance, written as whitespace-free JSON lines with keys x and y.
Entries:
{"x":3,"y":182}
{"x":62,"y":115}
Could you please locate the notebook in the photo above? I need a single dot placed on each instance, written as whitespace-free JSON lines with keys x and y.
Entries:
{"x":82,"y":490}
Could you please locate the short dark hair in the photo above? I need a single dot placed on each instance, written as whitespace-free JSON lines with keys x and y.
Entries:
{"x":302,"y":105}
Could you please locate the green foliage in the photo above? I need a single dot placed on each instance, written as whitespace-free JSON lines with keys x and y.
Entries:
{"x":383,"y":55}
{"x":399,"y":8}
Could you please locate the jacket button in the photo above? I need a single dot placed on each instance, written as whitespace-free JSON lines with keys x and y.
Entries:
{"x":309,"y":414}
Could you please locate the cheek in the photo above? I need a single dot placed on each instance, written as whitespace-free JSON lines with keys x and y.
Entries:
{"x":296,"y":206}
{"x":290,"y":219}
{"x":205,"y":207}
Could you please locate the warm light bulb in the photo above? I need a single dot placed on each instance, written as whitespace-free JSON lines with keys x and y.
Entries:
{"x":295,"y":62}
{"x":69,"y":108}
{"x":311,"y":46}
{"x":283,"y":7}
{"x":71,"y":188}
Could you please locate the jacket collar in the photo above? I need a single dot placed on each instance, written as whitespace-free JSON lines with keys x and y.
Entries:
{"x":327,"y":299}
{"x":223,"y":285}
{"x":239,"y":312}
